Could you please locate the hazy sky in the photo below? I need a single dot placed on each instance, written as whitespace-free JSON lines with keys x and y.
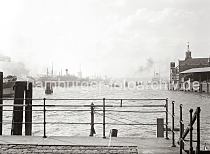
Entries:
{"x":119,"y":38}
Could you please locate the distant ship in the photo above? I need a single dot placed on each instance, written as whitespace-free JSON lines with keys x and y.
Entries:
{"x":49,"y":89}
{"x":156,"y":79}
{"x":8,"y":86}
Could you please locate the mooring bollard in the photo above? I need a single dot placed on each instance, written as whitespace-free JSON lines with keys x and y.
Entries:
{"x":28,"y":110}
{"x":113,"y":132}
{"x":1,"y":101}
{"x":167,"y":118}
{"x":92,"y":129}
{"x":160,"y":127}
{"x":17,"y":119}
{"x":173,"y":133}
{"x":104,"y":122}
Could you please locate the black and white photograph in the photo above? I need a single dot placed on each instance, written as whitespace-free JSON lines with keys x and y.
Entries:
{"x":105,"y":76}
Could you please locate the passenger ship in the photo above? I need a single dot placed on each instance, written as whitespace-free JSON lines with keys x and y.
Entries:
{"x":8,"y":86}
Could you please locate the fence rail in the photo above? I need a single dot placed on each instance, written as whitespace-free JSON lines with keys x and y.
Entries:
{"x":100,"y":109}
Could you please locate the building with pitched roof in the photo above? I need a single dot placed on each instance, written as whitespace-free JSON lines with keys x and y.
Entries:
{"x":193,"y":69}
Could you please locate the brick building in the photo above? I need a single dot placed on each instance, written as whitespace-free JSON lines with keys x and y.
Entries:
{"x":189,"y":68}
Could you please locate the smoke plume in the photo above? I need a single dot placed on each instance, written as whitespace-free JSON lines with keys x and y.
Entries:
{"x":147,"y":67}
{"x":4,"y":58}
{"x":11,"y":67}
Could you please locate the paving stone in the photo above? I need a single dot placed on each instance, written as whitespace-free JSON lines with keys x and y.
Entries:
{"x":66,"y":149}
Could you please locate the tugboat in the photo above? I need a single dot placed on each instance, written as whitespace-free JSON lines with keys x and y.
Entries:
{"x":8,"y":86}
{"x":49,"y":89}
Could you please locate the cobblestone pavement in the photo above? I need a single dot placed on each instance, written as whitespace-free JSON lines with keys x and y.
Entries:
{"x":60,"y":149}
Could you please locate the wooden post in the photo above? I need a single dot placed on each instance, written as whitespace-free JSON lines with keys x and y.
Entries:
{"x":160,"y":127}
{"x":1,"y":101}
{"x":28,"y":110}
{"x":17,"y":119}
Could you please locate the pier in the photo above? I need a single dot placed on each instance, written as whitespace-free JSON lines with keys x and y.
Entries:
{"x":72,"y":144}
{"x":162,"y":143}
{"x":164,"y":140}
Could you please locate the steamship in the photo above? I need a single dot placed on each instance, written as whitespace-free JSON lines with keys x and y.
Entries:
{"x":8,"y":86}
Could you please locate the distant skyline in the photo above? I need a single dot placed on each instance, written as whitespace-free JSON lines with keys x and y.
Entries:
{"x":117,"y":38}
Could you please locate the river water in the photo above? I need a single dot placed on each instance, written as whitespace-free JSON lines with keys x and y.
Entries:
{"x":188,"y":99}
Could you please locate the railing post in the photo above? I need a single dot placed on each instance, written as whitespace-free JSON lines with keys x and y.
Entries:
{"x":191,"y":133}
{"x":104,"y":123}
{"x":198,"y":131}
{"x":173,"y":133}
{"x":181,"y":130}
{"x":44,"y":111}
{"x":92,"y":129}
{"x":121,"y":103}
{"x":167,"y":118}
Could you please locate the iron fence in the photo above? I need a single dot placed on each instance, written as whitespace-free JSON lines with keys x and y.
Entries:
{"x":100,"y":109}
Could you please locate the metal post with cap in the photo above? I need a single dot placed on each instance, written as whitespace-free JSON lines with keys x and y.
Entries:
{"x":104,"y":120}
{"x":92,"y":129}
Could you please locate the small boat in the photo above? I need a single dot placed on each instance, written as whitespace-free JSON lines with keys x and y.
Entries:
{"x":8,"y":86}
{"x":49,"y":89}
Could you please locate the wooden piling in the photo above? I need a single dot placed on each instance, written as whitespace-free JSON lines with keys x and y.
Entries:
{"x":1,"y":101}
{"x":28,"y":110}
{"x":17,"y":119}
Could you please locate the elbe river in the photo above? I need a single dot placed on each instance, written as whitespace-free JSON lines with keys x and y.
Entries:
{"x":188,"y":99}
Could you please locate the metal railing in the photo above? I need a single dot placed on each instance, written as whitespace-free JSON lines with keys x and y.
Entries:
{"x":189,"y":129}
{"x":102,"y":110}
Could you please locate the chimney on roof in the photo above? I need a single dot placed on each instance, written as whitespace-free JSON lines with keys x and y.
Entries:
{"x":188,"y":53}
